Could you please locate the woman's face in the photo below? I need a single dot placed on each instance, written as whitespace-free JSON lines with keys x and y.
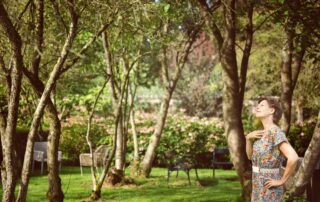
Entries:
{"x":263,"y":110}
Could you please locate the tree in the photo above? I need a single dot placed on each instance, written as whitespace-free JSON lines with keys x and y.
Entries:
{"x":43,"y":91}
{"x":195,"y":87}
{"x":300,"y":27}
{"x":7,"y":136}
{"x":175,"y":50}
{"x":234,"y":84}
{"x":311,"y":158}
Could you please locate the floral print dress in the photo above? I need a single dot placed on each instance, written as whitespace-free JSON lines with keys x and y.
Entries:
{"x":266,"y":154}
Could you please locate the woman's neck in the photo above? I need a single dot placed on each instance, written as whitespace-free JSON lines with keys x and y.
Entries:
{"x":268,"y":124}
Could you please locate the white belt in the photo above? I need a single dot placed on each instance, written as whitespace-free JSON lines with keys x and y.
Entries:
{"x":256,"y":169}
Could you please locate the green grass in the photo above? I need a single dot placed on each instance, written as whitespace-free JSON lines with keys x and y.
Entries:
{"x":225,"y":187}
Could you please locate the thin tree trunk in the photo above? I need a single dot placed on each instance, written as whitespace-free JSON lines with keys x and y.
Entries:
{"x":299,"y":110}
{"x":155,"y":138}
{"x":290,"y":69}
{"x":246,"y":52}
{"x":286,"y":81}
{"x":311,"y":157}
{"x":54,"y":182}
{"x":118,"y":103}
{"x":170,"y":85}
{"x":13,"y":104}
{"x":132,"y":95}
{"x":2,"y":132}
{"x":88,"y":138}
{"x":134,"y":136}
{"x":53,"y":146}
{"x":119,"y":160}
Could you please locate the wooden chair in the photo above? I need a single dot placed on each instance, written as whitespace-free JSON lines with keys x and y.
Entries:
{"x":40,"y":154}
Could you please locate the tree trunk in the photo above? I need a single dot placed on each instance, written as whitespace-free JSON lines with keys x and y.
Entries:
{"x":155,"y":138}
{"x":54,"y":193}
{"x":290,"y":70}
{"x":286,"y":81}
{"x":119,"y":158}
{"x":2,"y":132}
{"x":231,"y":103}
{"x":299,"y":110}
{"x":134,"y":136}
{"x":53,"y":146}
{"x":9,"y":155}
{"x":170,"y":85}
{"x":311,"y":157}
{"x":234,"y":85}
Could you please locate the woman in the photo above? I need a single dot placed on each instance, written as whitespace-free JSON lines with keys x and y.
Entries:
{"x":267,"y":154}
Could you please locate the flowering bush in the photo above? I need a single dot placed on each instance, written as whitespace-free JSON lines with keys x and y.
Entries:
{"x":184,"y":135}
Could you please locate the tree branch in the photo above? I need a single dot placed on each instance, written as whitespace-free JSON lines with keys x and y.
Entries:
{"x":86,"y":46}
{"x":246,"y":51}
{"x":39,"y":37}
{"x":207,"y":14}
{"x":58,"y":15}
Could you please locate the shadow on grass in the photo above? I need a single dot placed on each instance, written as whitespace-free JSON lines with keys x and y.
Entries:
{"x":208,"y":182}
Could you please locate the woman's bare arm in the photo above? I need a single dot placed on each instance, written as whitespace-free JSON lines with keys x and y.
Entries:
{"x":292,"y":157}
{"x":249,"y":148}
{"x":287,"y":150}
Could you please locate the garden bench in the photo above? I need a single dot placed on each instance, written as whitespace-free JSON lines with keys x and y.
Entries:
{"x":219,"y":155}
{"x":40,"y":154}
{"x":184,"y":163}
{"x":99,"y":155}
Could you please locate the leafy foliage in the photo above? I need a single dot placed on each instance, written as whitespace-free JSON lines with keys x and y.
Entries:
{"x":300,"y":137}
{"x":184,"y":135}
{"x":73,"y":140}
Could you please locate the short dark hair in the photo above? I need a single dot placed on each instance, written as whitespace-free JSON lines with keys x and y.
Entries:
{"x":273,"y":103}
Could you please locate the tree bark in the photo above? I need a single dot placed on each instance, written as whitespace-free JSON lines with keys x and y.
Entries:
{"x":311,"y":157}
{"x":231,"y":102}
{"x":53,"y":145}
{"x":88,"y":138}
{"x":55,"y":192}
{"x":299,"y":110}
{"x":13,"y":104}
{"x":290,"y":69}
{"x":119,"y":157}
{"x":118,"y":104}
{"x":155,"y":138}
{"x":246,"y":52}
{"x":2,"y":132}
{"x":286,"y":80}
{"x":134,"y":136}
{"x":170,"y":85}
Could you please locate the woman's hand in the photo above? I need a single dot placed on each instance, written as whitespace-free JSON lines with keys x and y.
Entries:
{"x":273,"y":183}
{"x":257,"y":134}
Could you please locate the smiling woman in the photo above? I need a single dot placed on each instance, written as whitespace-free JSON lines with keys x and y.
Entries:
{"x":268,"y":153}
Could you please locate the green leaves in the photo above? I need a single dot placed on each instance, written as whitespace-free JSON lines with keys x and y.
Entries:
{"x":166,"y":8}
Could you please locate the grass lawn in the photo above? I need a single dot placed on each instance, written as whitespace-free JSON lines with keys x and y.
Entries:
{"x":225,"y":187}
{"x":154,"y":189}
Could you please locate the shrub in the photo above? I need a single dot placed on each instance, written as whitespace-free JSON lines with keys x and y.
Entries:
{"x":300,"y":137}
{"x":73,"y":140}
{"x":183,"y":135}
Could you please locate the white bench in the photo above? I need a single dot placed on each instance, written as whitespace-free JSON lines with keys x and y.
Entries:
{"x":40,"y":154}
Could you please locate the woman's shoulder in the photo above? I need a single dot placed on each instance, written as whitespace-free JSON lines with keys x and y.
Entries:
{"x":276,"y":130}
{"x":278,"y":135}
